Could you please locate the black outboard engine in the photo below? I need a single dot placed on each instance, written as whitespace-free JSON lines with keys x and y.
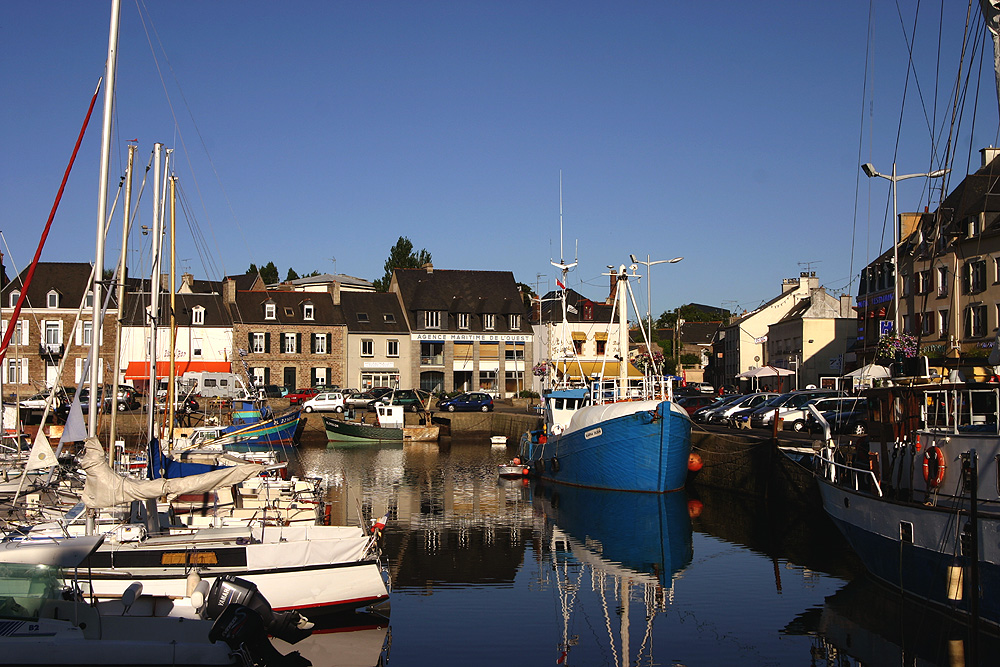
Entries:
{"x":289,"y":626}
{"x":243,"y":630}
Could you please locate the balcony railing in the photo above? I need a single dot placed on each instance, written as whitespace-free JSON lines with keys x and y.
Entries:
{"x":52,"y":350}
{"x":432,"y":360}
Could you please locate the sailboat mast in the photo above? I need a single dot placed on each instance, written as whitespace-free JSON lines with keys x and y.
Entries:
{"x":171,"y":387}
{"x":102,"y":212}
{"x":154,"y":292}
{"x":121,"y":303}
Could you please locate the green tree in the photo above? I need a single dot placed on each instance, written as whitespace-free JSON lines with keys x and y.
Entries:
{"x":252,"y":271}
{"x":269,"y":273}
{"x":401,"y":256}
{"x":291,"y":274}
{"x":527,"y":294}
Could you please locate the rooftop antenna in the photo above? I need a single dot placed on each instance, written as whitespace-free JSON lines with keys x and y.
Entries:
{"x":334,"y":260}
{"x":809,"y":265}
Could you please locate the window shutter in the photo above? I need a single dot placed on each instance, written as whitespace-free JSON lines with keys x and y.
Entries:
{"x":267,"y":375}
{"x":267,"y":342}
{"x":329,"y":376}
{"x":250,"y":341}
{"x":329,"y":343}
{"x":312,"y":377}
{"x":298,"y":343}
{"x":312,"y":343}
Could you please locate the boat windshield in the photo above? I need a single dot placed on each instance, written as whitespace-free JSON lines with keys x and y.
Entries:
{"x":25,"y":586}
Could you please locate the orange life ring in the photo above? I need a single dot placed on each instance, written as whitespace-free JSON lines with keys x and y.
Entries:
{"x":934,"y":466}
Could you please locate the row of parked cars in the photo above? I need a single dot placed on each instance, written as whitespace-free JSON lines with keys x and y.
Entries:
{"x":315,"y":400}
{"x":845,"y":414}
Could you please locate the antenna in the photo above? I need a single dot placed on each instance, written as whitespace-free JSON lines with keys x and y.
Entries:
{"x":809,"y":265}
{"x":334,"y":260}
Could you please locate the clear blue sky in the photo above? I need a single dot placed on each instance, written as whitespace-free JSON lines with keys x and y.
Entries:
{"x":306,"y":131}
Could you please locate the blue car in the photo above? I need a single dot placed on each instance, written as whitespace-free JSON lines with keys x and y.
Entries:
{"x":471,"y":400}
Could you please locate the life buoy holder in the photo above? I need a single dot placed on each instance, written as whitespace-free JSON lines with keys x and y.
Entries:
{"x":934,"y":466}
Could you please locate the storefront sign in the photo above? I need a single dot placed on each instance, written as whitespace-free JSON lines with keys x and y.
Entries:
{"x":379,"y":364}
{"x":472,"y":337}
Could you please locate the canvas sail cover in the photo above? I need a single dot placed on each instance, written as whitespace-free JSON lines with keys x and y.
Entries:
{"x":991,"y":13}
{"x":106,"y":488}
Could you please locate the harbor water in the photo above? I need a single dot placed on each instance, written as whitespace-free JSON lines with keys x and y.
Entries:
{"x":489,"y":571}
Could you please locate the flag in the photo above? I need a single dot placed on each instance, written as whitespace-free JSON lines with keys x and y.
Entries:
{"x":561,"y":286}
{"x":572,"y":309}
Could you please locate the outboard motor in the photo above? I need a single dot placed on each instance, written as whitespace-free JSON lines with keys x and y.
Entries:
{"x":289,"y":626}
{"x":243,"y":630}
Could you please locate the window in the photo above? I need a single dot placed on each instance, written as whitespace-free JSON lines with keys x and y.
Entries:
{"x":258,"y":342}
{"x":942,"y":278}
{"x":20,"y":335}
{"x":392,"y":348}
{"x":389,"y":318}
{"x":196,"y":347}
{"x":288,"y":343}
{"x":14,"y":296}
{"x":89,"y":300}
{"x":198,"y":315}
{"x":601,"y":346}
{"x":367,"y":347}
{"x":308,"y":311}
{"x":319,"y":343}
{"x":513,"y":322}
{"x":489,"y":322}
{"x":514,"y":352}
{"x":578,"y":347}
{"x":972,"y":226}
{"x":463,"y":320}
{"x":318,"y":376}
{"x":270,"y":311}
{"x":588,"y":311}
{"x":17,"y":371}
{"x":52,"y":299}
{"x":87,"y":334}
{"x":926,"y":324}
{"x":943,"y":321}
{"x":432,"y":319}
{"x":431,"y":354}
{"x":975,"y":276}
{"x":923,"y":282}
{"x":258,"y":375}
{"x":289,"y":312}
{"x":363,"y":317}
{"x":975,"y":321}
{"x":52,"y":334}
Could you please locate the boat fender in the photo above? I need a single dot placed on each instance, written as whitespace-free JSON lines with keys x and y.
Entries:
{"x":554,"y":462}
{"x":934,"y":466}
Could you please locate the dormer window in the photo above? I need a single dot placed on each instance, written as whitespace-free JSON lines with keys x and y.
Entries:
{"x":362,"y":317}
{"x":489,"y":321}
{"x":89,"y":300}
{"x":198,"y":315}
{"x":289,"y":312}
{"x":514,"y":322}
{"x":391,"y":319}
{"x":463,"y":320}
{"x":432,"y":319}
{"x":270,"y":311}
{"x":14,"y":296}
{"x":308,"y":311}
{"x":52,"y":299}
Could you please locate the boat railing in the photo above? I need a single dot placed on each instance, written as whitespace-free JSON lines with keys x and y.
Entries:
{"x":955,"y":410}
{"x":646,"y":388}
{"x":835,"y":470}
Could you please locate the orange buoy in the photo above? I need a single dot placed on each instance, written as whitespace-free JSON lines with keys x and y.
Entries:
{"x":694,"y":462}
{"x":694,"y":508}
{"x":525,"y":471}
{"x":934,"y":466}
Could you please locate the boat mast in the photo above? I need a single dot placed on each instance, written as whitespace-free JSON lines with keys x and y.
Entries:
{"x":565,"y":268}
{"x":121,"y":305}
{"x":154,"y":292}
{"x":102,"y":211}
{"x":171,"y":387}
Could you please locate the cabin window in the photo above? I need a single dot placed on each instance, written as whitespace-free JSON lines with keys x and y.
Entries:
{"x":270,"y":311}
{"x":367,"y":348}
{"x":392,"y":348}
{"x":489,"y":322}
{"x":198,"y":315}
{"x":557,"y":404}
{"x":209,"y":382}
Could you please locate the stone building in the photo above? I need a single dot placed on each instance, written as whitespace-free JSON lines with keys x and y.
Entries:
{"x":378,"y":340}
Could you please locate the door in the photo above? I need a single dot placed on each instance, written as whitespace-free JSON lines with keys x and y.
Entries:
{"x":290,"y":378}
{"x":51,"y":375}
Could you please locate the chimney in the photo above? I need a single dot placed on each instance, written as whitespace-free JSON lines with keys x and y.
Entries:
{"x":789,"y":285}
{"x":229,"y":290}
{"x":165,"y":282}
{"x":989,"y":154}
{"x":187,"y":279}
{"x":428,"y":267}
{"x":334,"y":289}
{"x":845,"y":306}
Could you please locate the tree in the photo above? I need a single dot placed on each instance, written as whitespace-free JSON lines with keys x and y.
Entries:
{"x":269,"y":273}
{"x":401,"y":256}
{"x":252,"y":271}
{"x":291,"y":274}
{"x":527,"y":294}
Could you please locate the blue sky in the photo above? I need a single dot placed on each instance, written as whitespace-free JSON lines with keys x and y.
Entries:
{"x":730,"y":135}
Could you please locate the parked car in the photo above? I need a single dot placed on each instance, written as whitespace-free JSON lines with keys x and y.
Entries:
{"x":271,"y":391}
{"x":326,"y":388}
{"x":413,"y":400}
{"x":358,"y":399}
{"x":379,"y":392}
{"x":694,"y":402}
{"x":328,"y":401}
{"x":850,"y":417}
{"x":470,"y":400}
{"x":764,"y":415}
{"x":703,"y":387}
{"x":37,"y":402}
{"x":702,"y":414}
{"x":301,"y":395}
{"x":722,"y":415}
{"x":795,"y":420}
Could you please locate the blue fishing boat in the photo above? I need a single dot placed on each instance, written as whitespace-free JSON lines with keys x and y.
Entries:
{"x":253,"y":427}
{"x":614,"y":431}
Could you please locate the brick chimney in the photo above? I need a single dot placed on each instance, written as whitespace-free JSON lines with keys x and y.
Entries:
{"x":229,"y":291}
{"x":428,"y":267}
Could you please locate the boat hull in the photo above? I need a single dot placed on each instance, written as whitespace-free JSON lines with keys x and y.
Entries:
{"x":278,"y":431}
{"x":628,"y":446}
{"x":337,"y":429}
{"x":919,"y":564}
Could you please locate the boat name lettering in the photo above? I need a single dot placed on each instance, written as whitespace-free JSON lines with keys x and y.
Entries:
{"x":593,"y":433}
{"x":189,"y":558}
{"x":472,"y":337}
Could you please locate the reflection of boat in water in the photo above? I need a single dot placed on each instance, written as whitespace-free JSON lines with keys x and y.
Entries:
{"x":356,"y":640}
{"x":628,"y":546}
{"x":874,"y":626}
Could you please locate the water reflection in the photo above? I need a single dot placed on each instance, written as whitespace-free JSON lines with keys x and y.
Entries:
{"x":356,"y":640}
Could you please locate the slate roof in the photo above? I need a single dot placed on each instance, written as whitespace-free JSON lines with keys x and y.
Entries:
{"x":70,"y":279}
{"x":458,"y":291}
{"x":216,"y":314}
{"x":327,"y":278}
{"x":551,"y":308}
{"x":699,"y":333}
{"x":385,"y":315}
{"x":249,"y":308}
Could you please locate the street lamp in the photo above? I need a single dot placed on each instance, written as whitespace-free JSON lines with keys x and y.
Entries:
{"x":649,"y":304}
{"x":870,"y":172}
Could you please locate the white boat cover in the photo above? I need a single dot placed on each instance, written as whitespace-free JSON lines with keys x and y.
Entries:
{"x":106,"y":488}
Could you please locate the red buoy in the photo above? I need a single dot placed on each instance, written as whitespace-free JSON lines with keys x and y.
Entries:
{"x":694,"y":462}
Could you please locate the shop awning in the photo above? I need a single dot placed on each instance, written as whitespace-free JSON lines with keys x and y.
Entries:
{"x":600,"y":335}
{"x":591,"y":368}
{"x":139,"y":370}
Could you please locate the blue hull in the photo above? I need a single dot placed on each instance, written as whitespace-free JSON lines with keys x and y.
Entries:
{"x":643,"y":451}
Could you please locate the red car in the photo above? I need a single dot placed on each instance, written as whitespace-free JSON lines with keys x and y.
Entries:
{"x":692,"y":403}
{"x":299,"y":396}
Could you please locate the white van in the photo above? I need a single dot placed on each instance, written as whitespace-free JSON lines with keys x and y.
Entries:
{"x":215,"y":385}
